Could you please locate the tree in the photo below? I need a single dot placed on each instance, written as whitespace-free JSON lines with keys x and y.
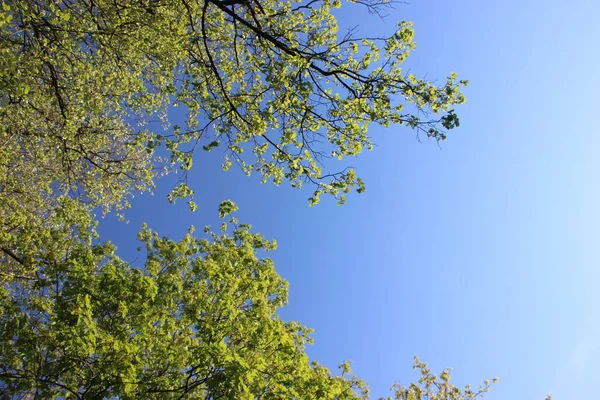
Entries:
{"x":198,"y":321}
{"x":438,"y":387}
{"x":86,"y":86}
{"x":85,"y":92}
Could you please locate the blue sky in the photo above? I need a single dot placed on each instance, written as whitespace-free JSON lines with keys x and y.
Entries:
{"x":482,"y":255}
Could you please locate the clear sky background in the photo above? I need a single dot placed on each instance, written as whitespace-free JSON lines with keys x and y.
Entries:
{"x":482,"y":255}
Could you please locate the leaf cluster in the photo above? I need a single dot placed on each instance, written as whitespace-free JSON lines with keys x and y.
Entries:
{"x":86,"y":92}
{"x":197,"y":320}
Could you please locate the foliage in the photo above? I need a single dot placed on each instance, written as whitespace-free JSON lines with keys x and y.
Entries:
{"x":198,"y":321}
{"x":438,"y":387}
{"x":85,"y":94}
{"x":86,"y":86}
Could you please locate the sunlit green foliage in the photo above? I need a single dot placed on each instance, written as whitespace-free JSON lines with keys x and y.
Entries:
{"x":438,"y":387}
{"x":197,"y":321}
{"x":85,"y":88}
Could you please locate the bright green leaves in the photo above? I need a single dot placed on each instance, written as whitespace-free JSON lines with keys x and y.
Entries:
{"x":400,"y":44}
{"x":271,"y":83}
{"x":5,"y":16}
{"x":198,"y":321}
{"x":85,"y":95}
{"x":226,"y":207}
{"x":74,"y":107}
{"x":180,"y":191}
{"x":341,"y":184}
{"x":438,"y":387}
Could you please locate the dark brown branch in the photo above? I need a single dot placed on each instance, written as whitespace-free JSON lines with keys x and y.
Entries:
{"x":12,"y":255}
